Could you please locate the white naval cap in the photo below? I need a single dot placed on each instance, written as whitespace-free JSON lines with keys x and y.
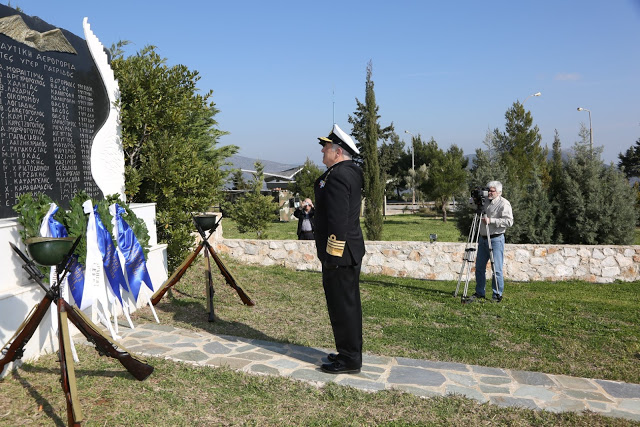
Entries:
{"x":339,"y":137}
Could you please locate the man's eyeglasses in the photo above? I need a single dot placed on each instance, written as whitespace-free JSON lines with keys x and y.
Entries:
{"x":492,"y":191}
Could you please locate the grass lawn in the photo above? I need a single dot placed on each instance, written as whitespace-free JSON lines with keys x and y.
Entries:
{"x":571,"y":328}
{"x":183,"y":395}
{"x":405,"y":227}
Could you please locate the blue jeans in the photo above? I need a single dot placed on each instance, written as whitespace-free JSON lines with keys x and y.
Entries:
{"x":497,"y":246}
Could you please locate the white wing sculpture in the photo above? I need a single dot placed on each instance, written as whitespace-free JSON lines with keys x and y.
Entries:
{"x":107,"y":155}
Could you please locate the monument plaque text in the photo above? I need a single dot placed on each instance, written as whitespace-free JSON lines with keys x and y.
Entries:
{"x":52,"y":103}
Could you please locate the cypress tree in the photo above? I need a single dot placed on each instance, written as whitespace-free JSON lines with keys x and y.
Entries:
{"x":367,"y":131}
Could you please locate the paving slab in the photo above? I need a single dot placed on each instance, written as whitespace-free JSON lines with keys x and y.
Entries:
{"x":425,"y":378}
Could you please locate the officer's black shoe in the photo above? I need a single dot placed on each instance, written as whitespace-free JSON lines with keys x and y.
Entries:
{"x":477,"y":296}
{"x":496,"y":298}
{"x":332,"y":357}
{"x":339,"y":368}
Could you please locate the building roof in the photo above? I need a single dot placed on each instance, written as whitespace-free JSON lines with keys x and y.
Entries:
{"x":274,"y":172}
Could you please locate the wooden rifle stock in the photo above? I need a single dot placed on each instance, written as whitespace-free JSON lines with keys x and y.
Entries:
{"x":175,"y":277}
{"x":210,"y":290}
{"x":15,"y":349}
{"x":67,"y":371}
{"x":231,"y":281}
{"x":105,"y":345}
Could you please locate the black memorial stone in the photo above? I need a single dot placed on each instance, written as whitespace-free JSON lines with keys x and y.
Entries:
{"x":52,"y":103}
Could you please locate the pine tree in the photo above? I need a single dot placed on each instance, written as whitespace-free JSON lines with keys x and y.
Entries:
{"x":556,"y":164}
{"x":597,"y":202}
{"x":237,"y":177}
{"x":618,"y":213}
{"x":630,"y":161}
{"x":535,"y":220}
{"x":527,"y":177}
{"x":519,"y":147}
{"x":556,"y":172}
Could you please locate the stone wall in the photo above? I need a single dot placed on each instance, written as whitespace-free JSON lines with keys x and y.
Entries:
{"x":443,"y":261}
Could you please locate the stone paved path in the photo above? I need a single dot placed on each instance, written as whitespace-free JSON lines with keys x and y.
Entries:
{"x":502,"y":387}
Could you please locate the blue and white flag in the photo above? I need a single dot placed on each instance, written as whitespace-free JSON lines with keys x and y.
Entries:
{"x":135,"y":264}
{"x":74,"y":281}
{"x":94,"y":280}
{"x":112,"y":267}
{"x":50,"y":227}
{"x":110,"y":259}
{"x":133,"y":257}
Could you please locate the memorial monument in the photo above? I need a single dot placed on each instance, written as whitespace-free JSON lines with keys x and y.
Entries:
{"x":59,"y":135}
{"x":54,"y":103}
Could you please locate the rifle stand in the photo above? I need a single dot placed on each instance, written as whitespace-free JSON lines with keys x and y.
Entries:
{"x":203,"y":223}
{"x":50,"y":252}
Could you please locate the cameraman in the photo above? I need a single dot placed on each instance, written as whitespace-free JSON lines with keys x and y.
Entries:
{"x":498,"y":215}
{"x":306,"y":224}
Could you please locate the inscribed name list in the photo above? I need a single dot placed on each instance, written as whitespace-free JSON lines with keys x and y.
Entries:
{"x":52,"y":103}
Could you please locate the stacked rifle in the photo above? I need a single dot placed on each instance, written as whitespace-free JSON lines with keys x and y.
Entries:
{"x":104,"y":345}
{"x":203,"y":223}
{"x":14,"y":349}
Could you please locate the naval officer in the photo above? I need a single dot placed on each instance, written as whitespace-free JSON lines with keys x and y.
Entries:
{"x":340,"y":247}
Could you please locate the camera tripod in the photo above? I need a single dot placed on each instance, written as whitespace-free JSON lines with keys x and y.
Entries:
{"x":202,"y":223}
{"x":470,"y":253}
{"x":14,"y":349}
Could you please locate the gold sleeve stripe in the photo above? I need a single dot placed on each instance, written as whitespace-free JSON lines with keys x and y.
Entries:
{"x":335,"y":247}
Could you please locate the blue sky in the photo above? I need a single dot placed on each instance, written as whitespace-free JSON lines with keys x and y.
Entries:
{"x":282,"y":70}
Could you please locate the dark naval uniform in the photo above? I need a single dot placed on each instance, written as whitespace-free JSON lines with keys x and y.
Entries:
{"x":340,"y":247}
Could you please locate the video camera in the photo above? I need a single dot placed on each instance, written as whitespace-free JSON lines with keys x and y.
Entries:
{"x":479,"y":195}
{"x":294,"y":202}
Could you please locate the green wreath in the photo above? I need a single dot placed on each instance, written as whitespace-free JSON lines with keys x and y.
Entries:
{"x":31,"y":210}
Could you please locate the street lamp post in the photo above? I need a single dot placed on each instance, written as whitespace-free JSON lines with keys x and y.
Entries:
{"x":590,"y":129}
{"x":535,"y":94}
{"x":413,"y":168}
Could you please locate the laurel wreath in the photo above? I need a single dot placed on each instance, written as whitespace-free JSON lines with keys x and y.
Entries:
{"x":31,"y":210}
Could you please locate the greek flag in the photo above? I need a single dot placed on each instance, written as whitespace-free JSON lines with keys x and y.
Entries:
{"x":110,"y":259}
{"x":94,"y":283}
{"x":135,"y":264}
{"x":50,"y":227}
{"x":75,"y":279}
{"x":55,"y":228}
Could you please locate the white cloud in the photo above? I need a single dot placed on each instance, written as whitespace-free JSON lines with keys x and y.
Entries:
{"x":567,"y":76}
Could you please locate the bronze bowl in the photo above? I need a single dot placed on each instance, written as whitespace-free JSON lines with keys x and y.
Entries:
{"x":206,"y":221}
{"x":49,"y":250}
